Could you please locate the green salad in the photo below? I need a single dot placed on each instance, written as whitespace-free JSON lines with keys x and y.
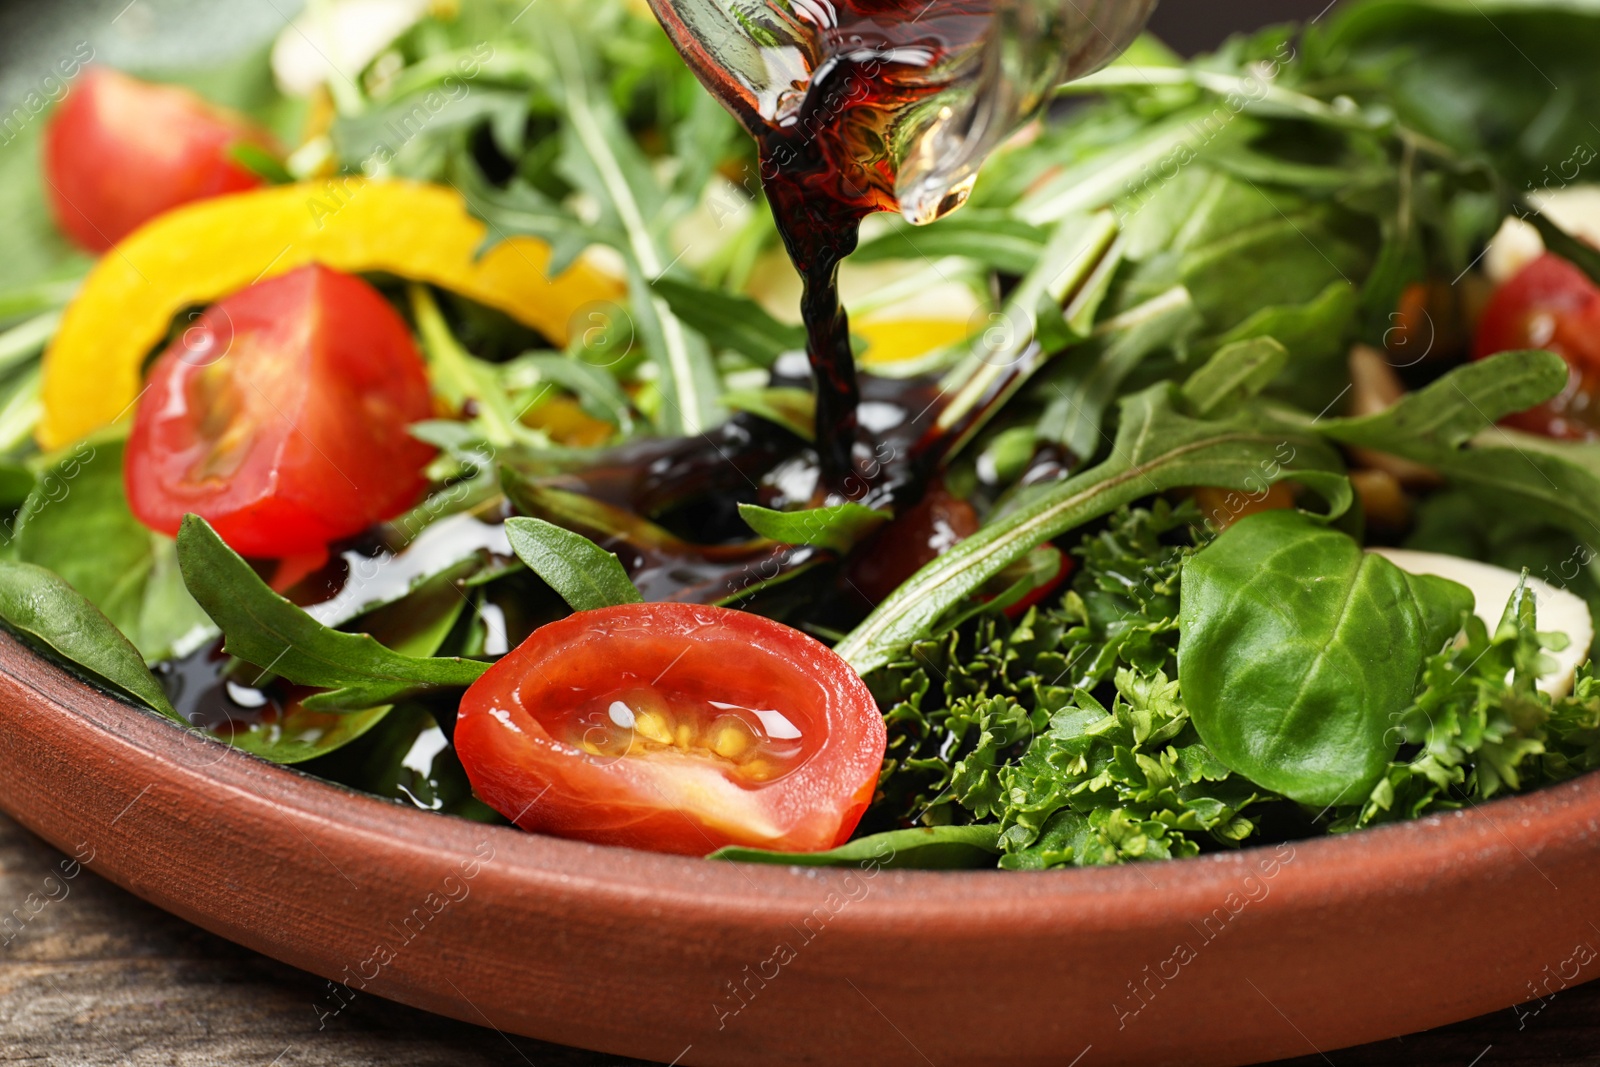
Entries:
{"x":438,"y":421}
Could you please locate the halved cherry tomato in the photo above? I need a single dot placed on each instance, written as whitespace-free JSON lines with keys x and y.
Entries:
{"x":1551,"y":304}
{"x":281,"y":417}
{"x":675,"y":728}
{"x":119,"y":151}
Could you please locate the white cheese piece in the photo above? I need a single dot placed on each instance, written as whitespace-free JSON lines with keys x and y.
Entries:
{"x":337,"y":40}
{"x":1574,"y":208}
{"x":1559,"y":611}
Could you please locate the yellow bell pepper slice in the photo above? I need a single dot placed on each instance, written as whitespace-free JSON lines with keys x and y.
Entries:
{"x":204,"y":251}
{"x":897,"y":340}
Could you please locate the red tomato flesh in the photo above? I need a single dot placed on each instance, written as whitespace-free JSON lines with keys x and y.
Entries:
{"x":281,"y":417}
{"x":674,"y":728}
{"x":119,"y":151}
{"x":1551,"y":304}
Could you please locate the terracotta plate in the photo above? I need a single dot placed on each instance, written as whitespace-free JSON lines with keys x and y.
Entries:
{"x":1226,"y":959}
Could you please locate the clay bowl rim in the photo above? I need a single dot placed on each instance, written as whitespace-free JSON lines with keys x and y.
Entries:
{"x":81,"y":759}
{"x":1391,"y":849}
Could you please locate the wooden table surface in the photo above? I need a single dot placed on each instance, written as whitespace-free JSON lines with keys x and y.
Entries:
{"x":91,"y":975}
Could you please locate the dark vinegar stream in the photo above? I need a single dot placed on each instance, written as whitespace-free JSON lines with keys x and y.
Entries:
{"x":832,"y":144}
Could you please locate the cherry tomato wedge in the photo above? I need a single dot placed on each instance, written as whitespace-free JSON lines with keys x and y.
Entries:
{"x":119,"y":151}
{"x":675,"y":728}
{"x":934,"y":525}
{"x":1551,"y":304}
{"x":280,"y":416}
{"x":1064,"y":569}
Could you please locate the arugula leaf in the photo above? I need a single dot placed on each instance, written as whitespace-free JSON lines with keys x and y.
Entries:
{"x":597,"y":392}
{"x":39,"y":604}
{"x":928,"y":848}
{"x":23,"y":341}
{"x":265,"y":629}
{"x":839,"y":527}
{"x":1236,"y":372}
{"x":1069,"y":267}
{"x":1451,"y":425}
{"x":586,"y":575}
{"x":731,"y":321}
{"x":1299,"y":650}
{"x":1432,"y":424}
{"x":460,"y":378}
{"x":793,"y":409}
{"x":1316,"y":333}
{"x":1087,"y":380}
{"x":1459,"y":72}
{"x":600,"y":158}
{"x":993,"y":238}
{"x":519,"y":209}
{"x":1157,"y":448}
{"x":417,"y":626}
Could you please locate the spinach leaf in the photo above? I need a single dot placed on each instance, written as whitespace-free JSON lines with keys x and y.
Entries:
{"x":1157,"y":448}
{"x":76,"y":522}
{"x":1299,"y":651}
{"x":586,"y":575}
{"x":927,"y":848}
{"x":838,"y":528}
{"x":40,"y":605}
{"x":265,"y":629}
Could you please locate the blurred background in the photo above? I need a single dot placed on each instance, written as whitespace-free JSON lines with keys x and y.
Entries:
{"x":1197,"y":25}
{"x":165,"y":33}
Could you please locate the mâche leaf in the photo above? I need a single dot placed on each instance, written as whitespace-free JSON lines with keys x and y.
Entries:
{"x":40,"y":605}
{"x":129,"y":574}
{"x":1299,"y":651}
{"x":839,"y":527}
{"x":586,"y":575}
{"x":262,"y":628}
